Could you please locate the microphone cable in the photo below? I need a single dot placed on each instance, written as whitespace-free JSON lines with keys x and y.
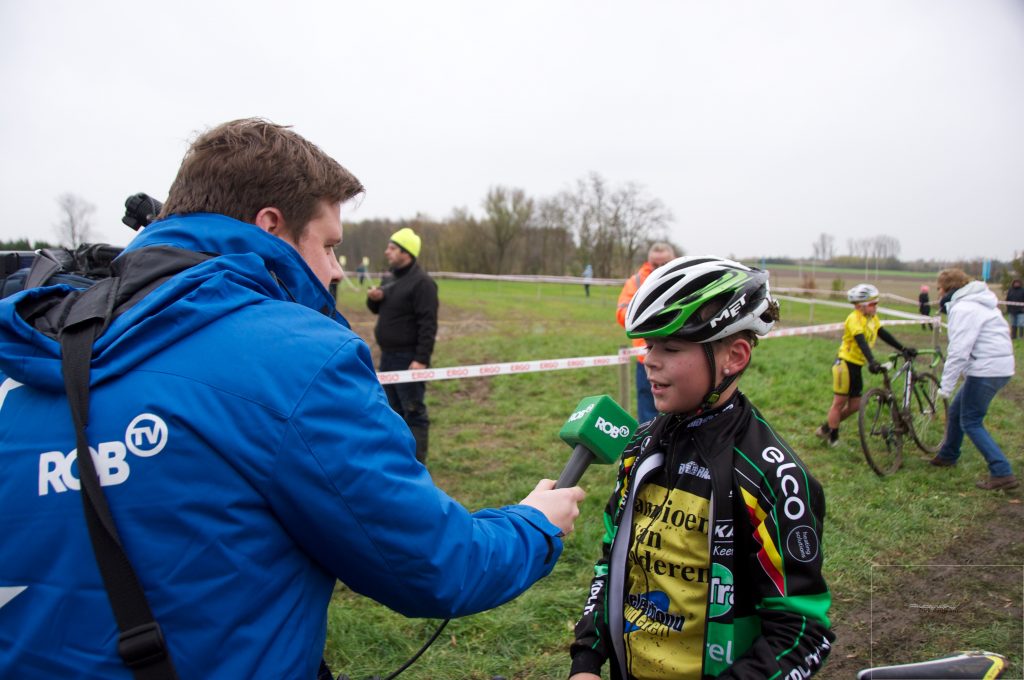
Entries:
{"x":412,"y":659}
{"x":422,"y":649}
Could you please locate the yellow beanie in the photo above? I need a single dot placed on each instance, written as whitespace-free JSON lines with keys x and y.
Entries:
{"x":407,"y":240}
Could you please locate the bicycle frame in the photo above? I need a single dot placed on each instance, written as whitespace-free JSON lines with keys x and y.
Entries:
{"x":907,"y":372}
{"x":889,"y":413}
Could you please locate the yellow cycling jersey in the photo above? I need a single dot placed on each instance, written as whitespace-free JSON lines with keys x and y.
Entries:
{"x":858,"y":323}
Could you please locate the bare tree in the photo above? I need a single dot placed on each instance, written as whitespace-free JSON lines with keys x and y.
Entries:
{"x":549,"y":247}
{"x":859,"y":247}
{"x":886,"y":247}
{"x":508,"y":214}
{"x":636,"y":221}
{"x":75,"y":225}
{"x":459,"y":242}
{"x":611,"y":224}
{"x":824,"y":247}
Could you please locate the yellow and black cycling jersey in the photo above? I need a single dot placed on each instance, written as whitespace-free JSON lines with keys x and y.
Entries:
{"x":711,"y":559}
{"x":858,"y":323}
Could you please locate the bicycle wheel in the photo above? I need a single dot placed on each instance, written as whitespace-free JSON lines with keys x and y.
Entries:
{"x":880,"y":438}
{"x":927,"y":413}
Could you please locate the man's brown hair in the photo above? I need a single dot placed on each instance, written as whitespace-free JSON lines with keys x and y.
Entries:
{"x":240,"y":167}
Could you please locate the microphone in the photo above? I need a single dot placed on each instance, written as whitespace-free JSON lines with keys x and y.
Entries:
{"x":598,"y":430}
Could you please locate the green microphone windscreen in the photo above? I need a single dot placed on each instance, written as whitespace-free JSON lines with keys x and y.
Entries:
{"x":600,"y":425}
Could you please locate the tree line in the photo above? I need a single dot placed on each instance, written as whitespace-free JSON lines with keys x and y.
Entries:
{"x":609,"y":226}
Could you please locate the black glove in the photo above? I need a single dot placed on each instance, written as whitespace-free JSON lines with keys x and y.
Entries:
{"x":875,"y":367}
{"x":909,"y":353}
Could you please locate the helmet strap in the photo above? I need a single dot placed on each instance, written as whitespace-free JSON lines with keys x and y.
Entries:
{"x":712,"y":397}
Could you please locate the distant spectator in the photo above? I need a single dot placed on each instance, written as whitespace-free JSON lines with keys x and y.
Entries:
{"x":659,"y":254}
{"x":406,"y":305}
{"x":361,"y":271}
{"x":1016,"y":311}
{"x":924,"y":305}
{"x":588,"y":276}
{"x":981,"y":352}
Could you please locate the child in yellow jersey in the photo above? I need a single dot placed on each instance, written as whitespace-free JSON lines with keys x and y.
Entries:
{"x":861,"y":331}
{"x":711,"y":559}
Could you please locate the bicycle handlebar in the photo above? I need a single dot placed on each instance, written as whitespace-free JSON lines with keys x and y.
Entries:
{"x":934,"y":352}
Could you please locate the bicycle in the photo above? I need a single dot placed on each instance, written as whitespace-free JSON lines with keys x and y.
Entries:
{"x":916,"y":409}
{"x":972,"y":664}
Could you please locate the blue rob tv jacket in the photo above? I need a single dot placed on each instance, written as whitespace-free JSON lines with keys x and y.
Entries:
{"x":250,"y":459}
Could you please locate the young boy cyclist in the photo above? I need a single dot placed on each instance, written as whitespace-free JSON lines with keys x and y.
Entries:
{"x":860,"y":332}
{"x":711,"y":562}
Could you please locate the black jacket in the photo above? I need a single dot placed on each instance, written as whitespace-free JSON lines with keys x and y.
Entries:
{"x":1015,"y":295}
{"x":407,"y":315}
{"x":764,"y":532}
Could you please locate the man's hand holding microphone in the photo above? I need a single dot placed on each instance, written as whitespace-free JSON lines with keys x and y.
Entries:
{"x":599,"y":431}
{"x":560,"y":506}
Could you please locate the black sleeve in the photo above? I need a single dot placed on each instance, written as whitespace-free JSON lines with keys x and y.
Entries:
{"x":425,"y":305}
{"x":888,"y":337}
{"x":373,"y":305}
{"x":862,"y":342}
{"x":796,"y":634}
{"x":591,"y":647}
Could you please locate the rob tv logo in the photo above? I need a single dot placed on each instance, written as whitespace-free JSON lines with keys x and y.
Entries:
{"x":610,"y":429}
{"x":145,"y":436}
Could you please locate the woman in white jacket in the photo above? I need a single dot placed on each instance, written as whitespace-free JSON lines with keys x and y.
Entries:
{"x":979,"y":349}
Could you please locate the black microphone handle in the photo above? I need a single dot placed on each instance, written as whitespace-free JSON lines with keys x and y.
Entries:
{"x":579,"y":461}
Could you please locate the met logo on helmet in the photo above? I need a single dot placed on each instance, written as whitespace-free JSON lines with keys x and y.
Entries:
{"x":145,"y":436}
{"x":730,"y":311}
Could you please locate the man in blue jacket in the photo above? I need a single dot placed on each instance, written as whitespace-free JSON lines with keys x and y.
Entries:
{"x":245,"y":447}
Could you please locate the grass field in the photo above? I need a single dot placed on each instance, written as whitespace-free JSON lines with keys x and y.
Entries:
{"x":493,"y":438}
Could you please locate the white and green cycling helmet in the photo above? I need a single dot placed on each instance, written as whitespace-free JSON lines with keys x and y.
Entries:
{"x":862,"y":292}
{"x":668,"y":304}
{"x":669,"y":300}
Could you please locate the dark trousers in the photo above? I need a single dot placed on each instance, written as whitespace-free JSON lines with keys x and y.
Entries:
{"x":645,"y":409}
{"x":1016,"y":324}
{"x":407,"y":399}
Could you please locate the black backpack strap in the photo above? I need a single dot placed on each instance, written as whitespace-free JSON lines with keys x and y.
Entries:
{"x":141,"y":644}
{"x":48,"y":262}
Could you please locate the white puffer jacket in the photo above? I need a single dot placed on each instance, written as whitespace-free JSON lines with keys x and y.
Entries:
{"x":979,"y":339}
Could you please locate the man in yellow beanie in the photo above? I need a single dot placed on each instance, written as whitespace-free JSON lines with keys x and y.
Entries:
{"x":406,"y":327}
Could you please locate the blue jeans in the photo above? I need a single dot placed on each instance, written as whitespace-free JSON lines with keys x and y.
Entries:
{"x":405,"y":398}
{"x":966,"y":413}
{"x":645,"y":409}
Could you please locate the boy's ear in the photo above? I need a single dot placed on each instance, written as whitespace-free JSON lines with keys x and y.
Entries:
{"x":737,"y":355}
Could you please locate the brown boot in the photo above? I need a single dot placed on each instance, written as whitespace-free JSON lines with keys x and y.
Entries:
{"x":996,"y":483}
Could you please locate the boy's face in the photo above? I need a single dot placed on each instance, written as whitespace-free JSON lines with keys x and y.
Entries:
{"x":679,"y":374}
{"x":867,"y":308}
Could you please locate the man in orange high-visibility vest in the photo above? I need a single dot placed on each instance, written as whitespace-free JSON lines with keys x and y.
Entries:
{"x":659,"y":254}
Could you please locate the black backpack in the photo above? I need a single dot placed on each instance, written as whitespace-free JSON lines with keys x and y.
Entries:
{"x":80,"y":268}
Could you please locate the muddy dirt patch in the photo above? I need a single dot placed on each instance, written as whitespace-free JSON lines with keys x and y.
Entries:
{"x":977,"y":583}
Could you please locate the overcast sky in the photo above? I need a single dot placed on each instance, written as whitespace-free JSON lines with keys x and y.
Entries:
{"x":759,"y":124}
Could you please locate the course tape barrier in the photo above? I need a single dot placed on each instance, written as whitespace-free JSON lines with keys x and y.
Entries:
{"x":488,"y":370}
{"x":622,"y":357}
